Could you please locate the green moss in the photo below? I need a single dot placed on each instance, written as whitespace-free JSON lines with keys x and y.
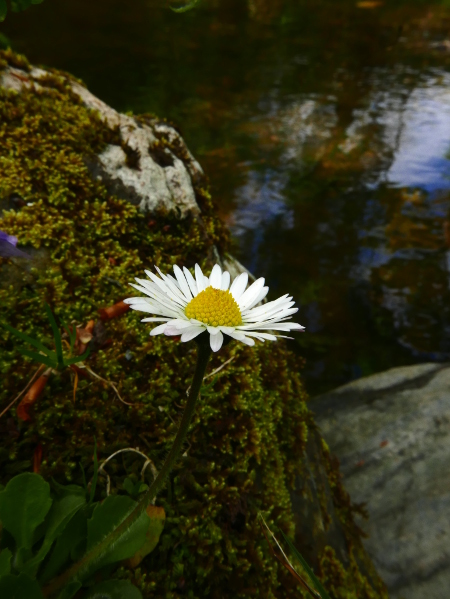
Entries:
{"x":14,"y":60}
{"x":247,"y":442}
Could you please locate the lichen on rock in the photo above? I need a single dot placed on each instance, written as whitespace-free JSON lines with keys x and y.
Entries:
{"x":253,"y":445}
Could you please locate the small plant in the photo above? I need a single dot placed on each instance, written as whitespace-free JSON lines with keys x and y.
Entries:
{"x":53,"y":359}
{"x":45,"y":529}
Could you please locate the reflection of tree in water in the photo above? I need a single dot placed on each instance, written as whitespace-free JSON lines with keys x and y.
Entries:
{"x":365,"y":259}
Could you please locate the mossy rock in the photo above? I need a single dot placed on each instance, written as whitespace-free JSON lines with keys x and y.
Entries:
{"x":253,"y":445}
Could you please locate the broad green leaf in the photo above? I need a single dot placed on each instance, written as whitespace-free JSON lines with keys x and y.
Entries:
{"x":19,"y":587}
{"x":64,"y":490}
{"x":70,"y":590}
{"x":56,"y":334}
{"x":106,"y":517}
{"x":316,"y":582}
{"x":157,"y":517}
{"x":5,"y":562}
{"x":24,"y":503}
{"x":34,"y":342}
{"x":114,"y":589}
{"x":18,"y":5}
{"x":95,"y":476}
{"x":128,"y":485}
{"x":61,"y":512}
{"x":70,"y":545}
{"x":3,"y":9}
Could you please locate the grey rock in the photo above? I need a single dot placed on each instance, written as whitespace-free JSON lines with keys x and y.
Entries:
{"x":145,"y":183}
{"x":153,"y":180}
{"x":391,"y":433}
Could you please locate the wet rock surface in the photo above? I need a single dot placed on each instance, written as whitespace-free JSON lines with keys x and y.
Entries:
{"x":391,"y":433}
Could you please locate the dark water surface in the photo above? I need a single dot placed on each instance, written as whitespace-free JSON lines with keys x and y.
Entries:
{"x":324,"y":126}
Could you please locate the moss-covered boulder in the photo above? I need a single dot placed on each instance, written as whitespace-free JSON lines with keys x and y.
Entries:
{"x":95,"y":198}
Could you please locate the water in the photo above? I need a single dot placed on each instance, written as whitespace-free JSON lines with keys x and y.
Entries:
{"x":324,"y":128}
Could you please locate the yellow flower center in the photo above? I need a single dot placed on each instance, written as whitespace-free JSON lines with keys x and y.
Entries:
{"x":214,"y":307}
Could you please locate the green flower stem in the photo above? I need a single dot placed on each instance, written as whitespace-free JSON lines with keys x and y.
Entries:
{"x":79,"y":569}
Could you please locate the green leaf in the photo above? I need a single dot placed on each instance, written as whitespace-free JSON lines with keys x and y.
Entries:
{"x":186,"y":7}
{"x":76,"y":359}
{"x":70,"y":590}
{"x":61,"y":512}
{"x":128,"y":485}
{"x":38,"y":357}
{"x":3,"y":9}
{"x":18,"y":5}
{"x":24,"y":503}
{"x":70,"y":545}
{"x":95,"y":477}
{"x":307,"y":569}
{"x":19,"y":587}
{"x":63,"y":490}
{"x":114,"y":589}
{"x":56,"y":335}
{"x":27,"y":339}
{"x":72,"y":333}
{"x":5,"y":562}
{"x":106,"y":517}
{"x":157,"y":518}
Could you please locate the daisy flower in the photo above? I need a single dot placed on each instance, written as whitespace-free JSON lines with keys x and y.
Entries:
{"x":188,"y":306}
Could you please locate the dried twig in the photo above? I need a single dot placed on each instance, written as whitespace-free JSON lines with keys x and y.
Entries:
{"x":108,"y":383}
{"x":30,"y":382}
{"x":148,"y":462}
{"x":213,"y":372}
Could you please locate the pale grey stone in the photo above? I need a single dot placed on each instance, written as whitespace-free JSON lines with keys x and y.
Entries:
{"x":391,"y":433}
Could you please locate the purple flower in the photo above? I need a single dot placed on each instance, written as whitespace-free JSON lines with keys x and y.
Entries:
{"x":8,"y":247}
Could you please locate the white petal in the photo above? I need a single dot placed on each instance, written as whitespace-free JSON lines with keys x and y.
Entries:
{"x":155,"y":319}
{"x":172,"y":331}
{"x":271,"y":305}
{"x":227,"y":330}
{"x":160,"y":283}
{"x":260,"y":335}
{"x":216,"y":341}
{"x":251,"y":294}
{"x":225,"y":281}
{"x":212,"y":330}
{"x":180,"y":323}
{"x":276,"y":315}
{"x":172,"y":285}
{"x":182,"y":282}
{"x":158,"y":330}
{"x":262,"y":294}
{"x":191,"y":281}
{"x":267,"y":313}
{"x":241,"y":337}
{"x":199,"y":278}
{"x":238,"y":285}
{"x":272,"y":326}
{"x":191,"y":334}
{"x":215,"y":278}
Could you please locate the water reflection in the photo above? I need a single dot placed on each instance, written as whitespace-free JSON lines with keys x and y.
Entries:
{"x":325,"y":130}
